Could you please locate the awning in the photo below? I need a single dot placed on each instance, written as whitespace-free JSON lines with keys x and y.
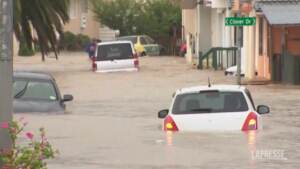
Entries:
{"x":282,"y":14}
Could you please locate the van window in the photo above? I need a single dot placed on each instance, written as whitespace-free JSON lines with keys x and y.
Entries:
{"x":114,"y":51}
{"x":210,"y":102}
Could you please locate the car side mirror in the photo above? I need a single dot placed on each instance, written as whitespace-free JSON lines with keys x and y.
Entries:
{"x":67,"y":98}
{"x":163,"y":113}
{"x":262,"y":109}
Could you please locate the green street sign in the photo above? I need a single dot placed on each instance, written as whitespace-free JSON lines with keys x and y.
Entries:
{"x":240,"y":21}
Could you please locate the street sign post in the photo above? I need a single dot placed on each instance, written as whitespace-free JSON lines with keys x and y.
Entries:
{"x":240,"y":21}
{"x":6,"y":69}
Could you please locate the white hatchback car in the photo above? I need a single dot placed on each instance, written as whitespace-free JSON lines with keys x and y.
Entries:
{"x":115,"y":56}
{"x":214,"y":108}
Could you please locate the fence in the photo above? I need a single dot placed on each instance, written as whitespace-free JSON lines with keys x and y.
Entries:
{"x":218,"y":58}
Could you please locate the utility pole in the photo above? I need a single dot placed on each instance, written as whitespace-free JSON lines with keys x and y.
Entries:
{"x":239,"y":52}
{"x":6,"y":68}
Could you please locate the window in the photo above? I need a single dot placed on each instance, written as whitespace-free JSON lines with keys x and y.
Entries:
{"x":143,"y":41}
{"x":34,"y":90}
{"x":149,"y":40}
{"x":84,"y":6}
{"x":114,"y":51}
{"x":73,"y":10}
{"x":210,"y":102}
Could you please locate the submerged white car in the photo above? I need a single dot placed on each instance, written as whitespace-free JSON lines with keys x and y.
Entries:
{"x":233,"y":71}
{"x":209,"y":108}
{"x":115,"y":56}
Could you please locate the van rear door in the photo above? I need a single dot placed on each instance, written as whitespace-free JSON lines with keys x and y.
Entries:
{"x":115,"y":57}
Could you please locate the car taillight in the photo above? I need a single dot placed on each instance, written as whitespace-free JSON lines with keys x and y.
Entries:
{"x":136,"y":60}
{"x":250,"y":122}
{"x":169,"y":124}
{"x":94,"y":64}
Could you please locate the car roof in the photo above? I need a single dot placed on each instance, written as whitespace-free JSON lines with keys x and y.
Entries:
{"x":32,"y":75}
{"x":133,"y":36}
{"x":114,"y":42}
{"x":213,"y":87}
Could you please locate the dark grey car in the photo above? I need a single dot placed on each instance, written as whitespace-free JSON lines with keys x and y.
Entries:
{"x":37,"y":92}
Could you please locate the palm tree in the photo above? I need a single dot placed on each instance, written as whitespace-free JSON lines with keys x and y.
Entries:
{"x":45,"y":17}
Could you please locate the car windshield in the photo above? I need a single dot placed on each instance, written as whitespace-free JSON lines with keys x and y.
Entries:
{"x":34,"y":90}
{"x":133,"y":39}
{"x":114,"y":51}
{"x":210,"y":102}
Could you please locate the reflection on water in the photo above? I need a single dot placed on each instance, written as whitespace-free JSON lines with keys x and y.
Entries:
{"x":222,"y":146}
{"x":169,"y":138}
{"x":251,"y":136}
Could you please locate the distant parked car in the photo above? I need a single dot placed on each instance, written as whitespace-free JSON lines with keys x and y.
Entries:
{"x":37,"y":92}
{"x":115,"y":56}
{"x":233,"y":71}
{"x":144,"y":45}
{"x":213,"y":108}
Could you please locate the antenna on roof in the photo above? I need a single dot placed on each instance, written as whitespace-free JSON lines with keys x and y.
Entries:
{"x":209,"y":84}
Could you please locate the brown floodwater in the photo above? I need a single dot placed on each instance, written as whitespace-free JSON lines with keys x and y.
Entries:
{"x":112,"y":122}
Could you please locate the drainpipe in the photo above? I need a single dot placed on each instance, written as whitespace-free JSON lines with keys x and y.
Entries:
{"x":6,"y":68}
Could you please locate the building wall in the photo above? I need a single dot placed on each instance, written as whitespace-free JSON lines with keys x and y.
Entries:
{"x":204,"y":28}
{"x":286,"y":63}
{"x":263,"y":54}
{"x":79,"y":9}
{"x":205,"y":34}
{"x":189,"y":22}
{"x":293,"y":40}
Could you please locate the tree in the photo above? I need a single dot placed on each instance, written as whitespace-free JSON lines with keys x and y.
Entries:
{"x":43,"y":17}
{"x":117,"y":14}
{"x":161,"y":14}
{"x":151,"y":17}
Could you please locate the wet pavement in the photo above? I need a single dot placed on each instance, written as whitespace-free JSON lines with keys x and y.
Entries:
{"x":113,"y":124}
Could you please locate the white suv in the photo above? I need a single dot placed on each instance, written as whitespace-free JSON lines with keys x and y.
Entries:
{"x":115,"y":56}
{"x":205,"y":108}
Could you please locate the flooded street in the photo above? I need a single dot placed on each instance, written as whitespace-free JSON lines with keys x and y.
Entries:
{"x":112,"y":122}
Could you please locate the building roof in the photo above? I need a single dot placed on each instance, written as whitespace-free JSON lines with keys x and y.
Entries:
{"x":280,"y":12}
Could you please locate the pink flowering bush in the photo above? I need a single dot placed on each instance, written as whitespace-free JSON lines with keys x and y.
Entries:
{"x":25,"y":156}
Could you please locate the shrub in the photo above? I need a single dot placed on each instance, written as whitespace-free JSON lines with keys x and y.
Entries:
{"x":83,"y":40}
{"x":72,"y":42}
{"x":31,"y":155}
{"x":68,"y":41}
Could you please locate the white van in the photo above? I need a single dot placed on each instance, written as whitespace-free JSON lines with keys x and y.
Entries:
{"x":115,"y":56}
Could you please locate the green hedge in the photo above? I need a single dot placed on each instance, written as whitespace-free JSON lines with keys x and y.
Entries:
{"x":72,"y":42}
